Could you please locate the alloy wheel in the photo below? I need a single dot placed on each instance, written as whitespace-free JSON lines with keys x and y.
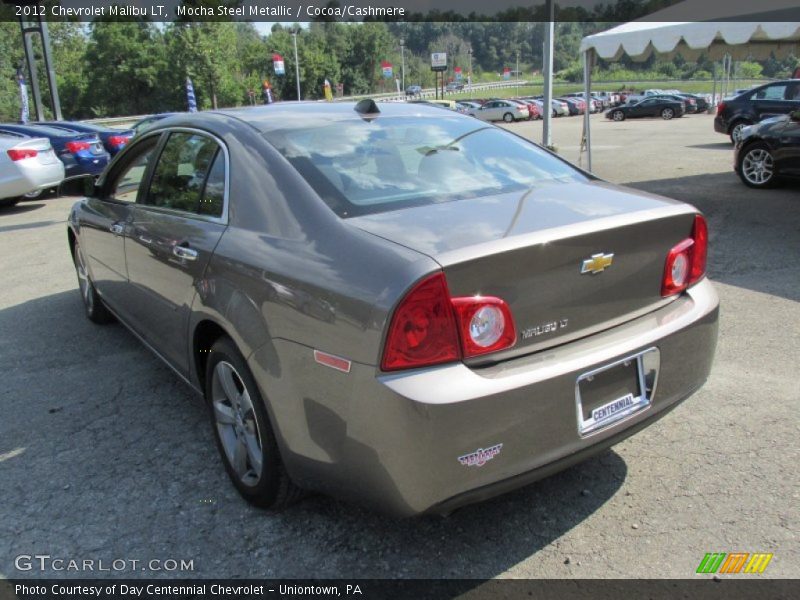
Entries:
{"x":758,"y":167}
{"x":236,"y":423}
{"x":618,"y":116}
{"x":667,"y":114}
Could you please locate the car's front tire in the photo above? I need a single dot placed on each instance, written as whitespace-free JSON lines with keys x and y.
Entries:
{"x":756,"y":166}
{"x":618,"y":115}
{"x":93,"y":305}
{"x":245,"y":439}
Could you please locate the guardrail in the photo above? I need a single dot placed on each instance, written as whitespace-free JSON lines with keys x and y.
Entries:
{"x":386,"y":97}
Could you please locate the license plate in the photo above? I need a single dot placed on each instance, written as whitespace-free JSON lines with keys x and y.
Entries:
{"x":613,"y":393}
{"x":97,"y":148}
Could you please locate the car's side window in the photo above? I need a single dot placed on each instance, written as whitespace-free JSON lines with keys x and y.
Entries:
{"x":181,"y":171}
{"x":126,"y":185}
{"x":213,"y":199}
{"x":772,"y":92}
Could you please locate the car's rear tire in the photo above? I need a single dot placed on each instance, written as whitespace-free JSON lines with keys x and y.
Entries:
{"x":756,"y":166}
{"x":508,"y":117}
{"x":618,"y":115}
{"x":667,"y":114}
{"x":736,"y":131}
{"x":245,"y":439}
{"x":93,"y":305}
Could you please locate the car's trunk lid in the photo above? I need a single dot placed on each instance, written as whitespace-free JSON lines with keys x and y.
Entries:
{"x":530,"y":249}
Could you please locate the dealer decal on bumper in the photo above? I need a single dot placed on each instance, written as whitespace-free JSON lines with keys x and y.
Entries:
{"x":480,"y":457}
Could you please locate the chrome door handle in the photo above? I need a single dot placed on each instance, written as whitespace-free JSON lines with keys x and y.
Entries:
{"x":185,"y":253}
{"x":117,"y":229}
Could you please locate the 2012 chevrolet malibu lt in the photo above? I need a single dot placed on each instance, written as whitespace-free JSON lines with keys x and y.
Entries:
{"x":392,"y":303}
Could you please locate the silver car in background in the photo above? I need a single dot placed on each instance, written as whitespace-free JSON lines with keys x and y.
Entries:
{"x":397,"y":305}
{"x":500,"y":110}
{"x":27,"y":166}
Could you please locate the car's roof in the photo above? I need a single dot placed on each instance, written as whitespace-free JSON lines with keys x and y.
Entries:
{"x":303,"y":114}
{"x":35,"y":130}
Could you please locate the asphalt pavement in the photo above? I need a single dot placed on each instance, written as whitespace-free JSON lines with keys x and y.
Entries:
{"x":106,"y":455}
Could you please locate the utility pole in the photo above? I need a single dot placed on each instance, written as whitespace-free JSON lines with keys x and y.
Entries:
{"x":469,"y":80}
{"x":547,"y":137}
{"x":517,"y":72}
{"x":296,"y":63}
{"x":403,"y":63}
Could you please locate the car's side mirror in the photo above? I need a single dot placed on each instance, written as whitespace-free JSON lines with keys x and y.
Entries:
{"x":82,"y":185}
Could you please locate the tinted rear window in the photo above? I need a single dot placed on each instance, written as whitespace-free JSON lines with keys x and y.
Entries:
{"x":361,"y":167}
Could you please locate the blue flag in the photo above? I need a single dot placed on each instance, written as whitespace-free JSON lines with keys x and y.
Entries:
{"x":24,"y":112}
{"x":192,"y":101}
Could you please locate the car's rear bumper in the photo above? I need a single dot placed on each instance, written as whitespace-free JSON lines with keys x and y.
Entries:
{"x":393,"y":441}
{"x":32,"y":177}
{"x":720,"y":125}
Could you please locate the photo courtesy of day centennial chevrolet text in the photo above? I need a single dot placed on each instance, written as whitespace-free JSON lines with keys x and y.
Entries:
{"x":394,"y":304}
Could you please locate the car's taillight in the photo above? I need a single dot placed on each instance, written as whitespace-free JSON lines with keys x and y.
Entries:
{"x":16,"y":154}
{"x":77,"y":146}
{"x":720,"y":107}
{"x":118,"y":140}
{"x":485,"y":324}
{"x":686,"y":261}
{"x":423,"y":329}
{"x":429,"y":327}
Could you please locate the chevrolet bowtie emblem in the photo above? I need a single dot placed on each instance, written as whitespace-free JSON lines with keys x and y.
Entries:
{"x":597,"y":263}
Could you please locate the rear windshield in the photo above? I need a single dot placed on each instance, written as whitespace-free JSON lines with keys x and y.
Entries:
{"x":367,"y":166}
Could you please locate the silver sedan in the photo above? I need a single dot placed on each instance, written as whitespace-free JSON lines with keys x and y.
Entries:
{"x":27,"y":166}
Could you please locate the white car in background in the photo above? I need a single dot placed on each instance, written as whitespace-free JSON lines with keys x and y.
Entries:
{"x":27,"y":166}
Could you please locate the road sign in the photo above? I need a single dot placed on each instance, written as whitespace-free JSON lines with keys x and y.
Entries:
{"x":439,"y":61}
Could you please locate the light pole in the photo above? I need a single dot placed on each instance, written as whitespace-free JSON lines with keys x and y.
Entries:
{"x":517,"y":72}
{"x":296,"y":63}
{"x":403,"y":63}
{"x":469,"y":80}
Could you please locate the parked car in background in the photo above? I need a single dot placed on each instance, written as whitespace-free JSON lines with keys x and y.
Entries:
{"x":533,"y":108}
{"x":689,"y":103}
{"x":464,"y":106}
{"x":757,"y":104}
{"x":649,"y":107}
{"x":454,"y":86}
{"x":559,"y":108}
{"x":27,"y":167}
{"x":769,"y":151}
{"x":113,"y":140}
{"x":389,"y":320}
{"x":501,"y":110}
{"x":413,"y":90}
{"x":81,"y":153}
{"x":575,"y":105}
{"x":701,"y":102}
{"x":148,"y":122}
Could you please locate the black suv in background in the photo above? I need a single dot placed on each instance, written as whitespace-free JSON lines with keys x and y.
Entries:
{"x":769,"y":100}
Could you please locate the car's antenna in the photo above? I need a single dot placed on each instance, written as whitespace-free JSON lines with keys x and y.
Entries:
{"x":367,"y":107}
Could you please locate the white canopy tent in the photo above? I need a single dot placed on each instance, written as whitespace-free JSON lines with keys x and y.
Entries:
{"x":739,"y":29}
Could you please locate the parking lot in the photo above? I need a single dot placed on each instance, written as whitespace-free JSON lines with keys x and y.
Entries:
{"x":106,"y":454}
